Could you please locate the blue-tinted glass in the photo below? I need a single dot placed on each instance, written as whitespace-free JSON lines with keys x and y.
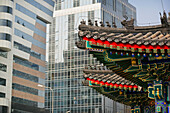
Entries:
{"x":26,"y":63}
{"x":24,"y":89}
{"x":24,"y":22}
{"x":39,"y":6}
{"x":50,"y":2}
{"x":4,"y":36}
{"x":25,"y":11}
{"x":4,"y":22}
{"x":40,"y":22}
{"x":25,"y":76}
{"x":35,"y":54}
{"x":6,"y":9}
{"x":24,"y":101}
{"x":29,"y":38}
{"x":21,"y":47}
{"x":30,"y":26}
{"x":41,"y":33}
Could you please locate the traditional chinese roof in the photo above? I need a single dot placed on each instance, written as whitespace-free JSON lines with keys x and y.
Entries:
{"x":139,"y":54}
{"x":102,"y":75}
{"x":134,"y":56}
{"x":141,"y":36}
{"x":114,"y":86}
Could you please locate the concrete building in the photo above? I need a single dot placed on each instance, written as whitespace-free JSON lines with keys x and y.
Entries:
{"x":22,"y":54}
{"x":66,"y":62}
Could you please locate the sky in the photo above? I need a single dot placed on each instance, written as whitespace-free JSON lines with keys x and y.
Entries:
{"x":148,"y":11}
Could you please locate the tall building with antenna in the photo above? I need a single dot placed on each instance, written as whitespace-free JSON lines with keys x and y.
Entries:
{"x":66,"y":62}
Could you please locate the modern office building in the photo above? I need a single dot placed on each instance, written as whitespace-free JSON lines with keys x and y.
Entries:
{"x":22,"y":54}
{"x":66,"y":62}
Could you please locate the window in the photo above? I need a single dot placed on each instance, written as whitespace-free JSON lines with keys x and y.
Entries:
{"x":91,"y":16}
{"x":3,"y":109}
{"x":104,"y":2}
{"x":58,"y":5}
{"x":2,"y":95}
{"x":3,"y":67}
{"x":26,"y":63}
{"x":4,"y":22}
{"x":50,"y":2}
{"x":2,"y":82}
{"x":114,"y":5}
{"x":29,"y":38}
{"x":93,"y":1}
{"x":21,"y":47}
{"x":25,"y":76}
{"x":40,"y":7}
{"x":24,"y":101}
{"x":35,"y":54}
{"x":24,"y":23}
{"x":25,"y":11}
{"x":76,"y":3}
{"x":3,"y":53}
{"x":6,"y":9}
{"x":24,"y":89}
{"x":4,"y":36}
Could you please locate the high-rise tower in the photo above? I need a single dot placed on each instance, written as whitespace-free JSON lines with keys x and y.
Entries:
{"x":22,"y":54}
{"x":66,"y":62}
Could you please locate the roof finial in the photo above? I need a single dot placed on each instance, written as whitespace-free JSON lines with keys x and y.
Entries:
{"x":164,"y":20}
{"x":83,"y":22}
{"x":126,"y":18}
{"x":90,"y":22}
{"x":114,"y":25}
{"x":108,"y":25}
{"x":128,"y":24}
{"x":96,"y":24}
{"x":101,"y":24}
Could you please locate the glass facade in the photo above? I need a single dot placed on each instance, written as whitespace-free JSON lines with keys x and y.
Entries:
{"x":24,"y":89}
{"x":6,"y":9}
{"x":66,"y":62}
{"x":26,"y":63}
{"x":5,"y":36}
{"x":23,"y":30}
{"x":25,"y":76}
{"x":66,"y":69}
{"x":24,"y":101}
{"x":4,"y":22}
{"x":3,"y":109}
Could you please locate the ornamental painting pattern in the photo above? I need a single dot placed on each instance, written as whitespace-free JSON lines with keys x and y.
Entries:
{"x":135,"y":63}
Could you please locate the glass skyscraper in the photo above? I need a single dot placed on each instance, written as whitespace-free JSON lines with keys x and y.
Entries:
{"x":22,"y":54}
{"x":66,"y":62}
